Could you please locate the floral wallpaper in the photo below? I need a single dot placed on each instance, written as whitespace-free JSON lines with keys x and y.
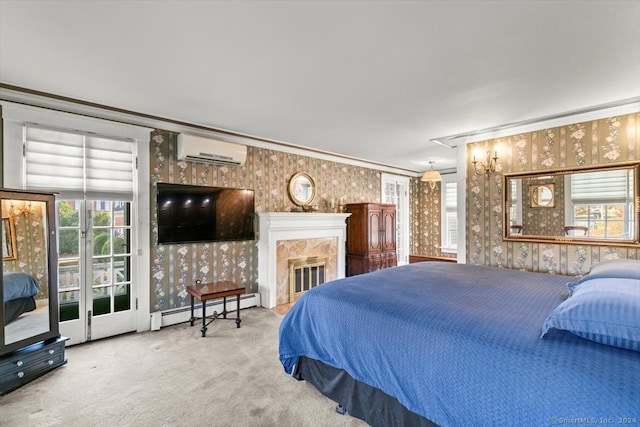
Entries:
{"x":425,"y":211}
{"x":31,"y":249}
{"x":542,"y":221}
{"x":267,"y":172}
{"x":608,"y":140}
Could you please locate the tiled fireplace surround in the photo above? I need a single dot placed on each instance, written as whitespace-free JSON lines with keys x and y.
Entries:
{"x":289,"y":235}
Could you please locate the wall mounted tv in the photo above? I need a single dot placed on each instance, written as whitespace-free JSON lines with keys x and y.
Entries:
{"x":190,"y":213}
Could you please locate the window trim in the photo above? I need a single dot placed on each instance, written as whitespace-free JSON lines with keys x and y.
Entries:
{"x":14,"y":115}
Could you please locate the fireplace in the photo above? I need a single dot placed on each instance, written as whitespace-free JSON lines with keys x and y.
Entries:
{"x":306,"y":273}
{"x":289,"y":235}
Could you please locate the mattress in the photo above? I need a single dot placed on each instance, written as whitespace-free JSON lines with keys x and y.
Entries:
{"x":460,"y":345}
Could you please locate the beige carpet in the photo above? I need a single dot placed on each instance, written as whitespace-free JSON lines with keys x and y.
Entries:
{"x":174,"y":377}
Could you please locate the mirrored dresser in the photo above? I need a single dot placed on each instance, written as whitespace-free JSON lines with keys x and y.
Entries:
{"x":30,"y":342}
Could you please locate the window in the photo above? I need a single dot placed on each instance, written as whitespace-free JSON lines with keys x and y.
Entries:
{"x":605,"y":213}
{"x":449,"y":238}
{"x":91,"y":164}
{"x":515,"y":210}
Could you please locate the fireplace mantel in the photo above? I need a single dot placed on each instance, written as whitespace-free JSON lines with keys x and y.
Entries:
{"x":277,"y":226}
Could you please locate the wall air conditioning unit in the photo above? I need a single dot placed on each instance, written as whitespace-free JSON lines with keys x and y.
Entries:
{"x":199,"y":149}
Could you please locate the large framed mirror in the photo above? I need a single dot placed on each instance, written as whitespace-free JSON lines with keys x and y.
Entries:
{"x":593,"y":205}
{"x":28,"y":284}
{"x":302,"y":189}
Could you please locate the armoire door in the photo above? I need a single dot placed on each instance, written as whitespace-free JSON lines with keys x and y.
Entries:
{"x":375,"y":230}
{"x":389,"y":229}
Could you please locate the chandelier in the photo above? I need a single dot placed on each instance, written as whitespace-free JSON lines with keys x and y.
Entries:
{"x":431,"y":176}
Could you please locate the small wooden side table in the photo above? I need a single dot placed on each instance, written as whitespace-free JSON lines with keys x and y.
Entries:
{"x":206,"y":291}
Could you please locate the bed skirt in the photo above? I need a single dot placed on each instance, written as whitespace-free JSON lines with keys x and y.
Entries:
{"x":360,"y":400}
{"x":14,"y":308}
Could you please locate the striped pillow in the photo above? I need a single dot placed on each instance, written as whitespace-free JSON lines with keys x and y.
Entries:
{"x":621,"y":268}
{"x":605,"y":310}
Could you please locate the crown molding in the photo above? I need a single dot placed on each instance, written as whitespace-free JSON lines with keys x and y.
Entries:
{"x":66,"y":104}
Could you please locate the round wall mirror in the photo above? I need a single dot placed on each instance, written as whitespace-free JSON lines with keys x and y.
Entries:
{"x":302,"y":189}
{"x":542,"y":196}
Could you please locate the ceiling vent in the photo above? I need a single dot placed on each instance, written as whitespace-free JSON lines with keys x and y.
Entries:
{"x":199,"y":149}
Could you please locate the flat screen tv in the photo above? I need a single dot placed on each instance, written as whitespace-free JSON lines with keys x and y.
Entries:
{"x":190,"y":213}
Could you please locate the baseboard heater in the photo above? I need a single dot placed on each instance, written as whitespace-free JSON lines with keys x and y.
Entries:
{"x":160,"y":319}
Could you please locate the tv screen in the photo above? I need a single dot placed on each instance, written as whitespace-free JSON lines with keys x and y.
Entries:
{"x":190,"y":213}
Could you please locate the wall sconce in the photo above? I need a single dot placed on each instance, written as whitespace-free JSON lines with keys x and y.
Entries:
{"x":431,"y":176}
{"x":488,"y":167}
{"x":24,"y":209}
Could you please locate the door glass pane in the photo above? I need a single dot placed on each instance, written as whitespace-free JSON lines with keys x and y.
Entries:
{"x":69,"y":305}
{"x":69,"y":275}
{"x":69,"y":243}
{"x":69,"y":213}
{"x":111,"y":258}
{"x":101,"y":223}
{"x":101,"y":293}
{"x":69,"y":267}
{"x":121,"y":241}
{"x":121,"y":269}
{"x":101,"y":242}
{"x":101,"y":271}
{"x":122,"y":298}
{"x":101,"y":300}
{"x":390,"y":193}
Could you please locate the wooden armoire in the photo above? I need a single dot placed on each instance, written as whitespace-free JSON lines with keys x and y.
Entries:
{"x":371,"y":237}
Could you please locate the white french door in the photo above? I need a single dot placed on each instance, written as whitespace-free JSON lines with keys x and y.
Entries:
{"x":94,"y":177}
{"x":395,"y":190}
{"x":95,"y":269}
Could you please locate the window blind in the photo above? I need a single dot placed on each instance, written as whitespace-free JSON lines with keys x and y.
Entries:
{"x":77,"y":164}
{"x":605,"y":186}
{"x":451,"y":196}
{"x":450,"y":232}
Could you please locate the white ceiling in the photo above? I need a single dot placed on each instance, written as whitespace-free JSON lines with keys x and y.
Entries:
{"x":375,"y":80}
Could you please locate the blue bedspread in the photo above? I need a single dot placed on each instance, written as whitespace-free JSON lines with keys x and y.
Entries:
{"x":19,"y":285}
{"x":460,"y":345}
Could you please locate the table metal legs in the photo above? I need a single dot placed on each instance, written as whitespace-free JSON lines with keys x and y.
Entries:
{"x":215,"y":314}
{"x":204,"y":318}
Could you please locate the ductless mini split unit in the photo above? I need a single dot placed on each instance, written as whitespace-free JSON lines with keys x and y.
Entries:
{"x":200,"y":149}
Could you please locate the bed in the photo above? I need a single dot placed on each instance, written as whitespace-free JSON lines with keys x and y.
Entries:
{"x":19,"y":291}
{"x":450,"y":344}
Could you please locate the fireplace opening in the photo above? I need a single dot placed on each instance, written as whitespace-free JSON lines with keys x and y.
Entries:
{"x":306,"y":273}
